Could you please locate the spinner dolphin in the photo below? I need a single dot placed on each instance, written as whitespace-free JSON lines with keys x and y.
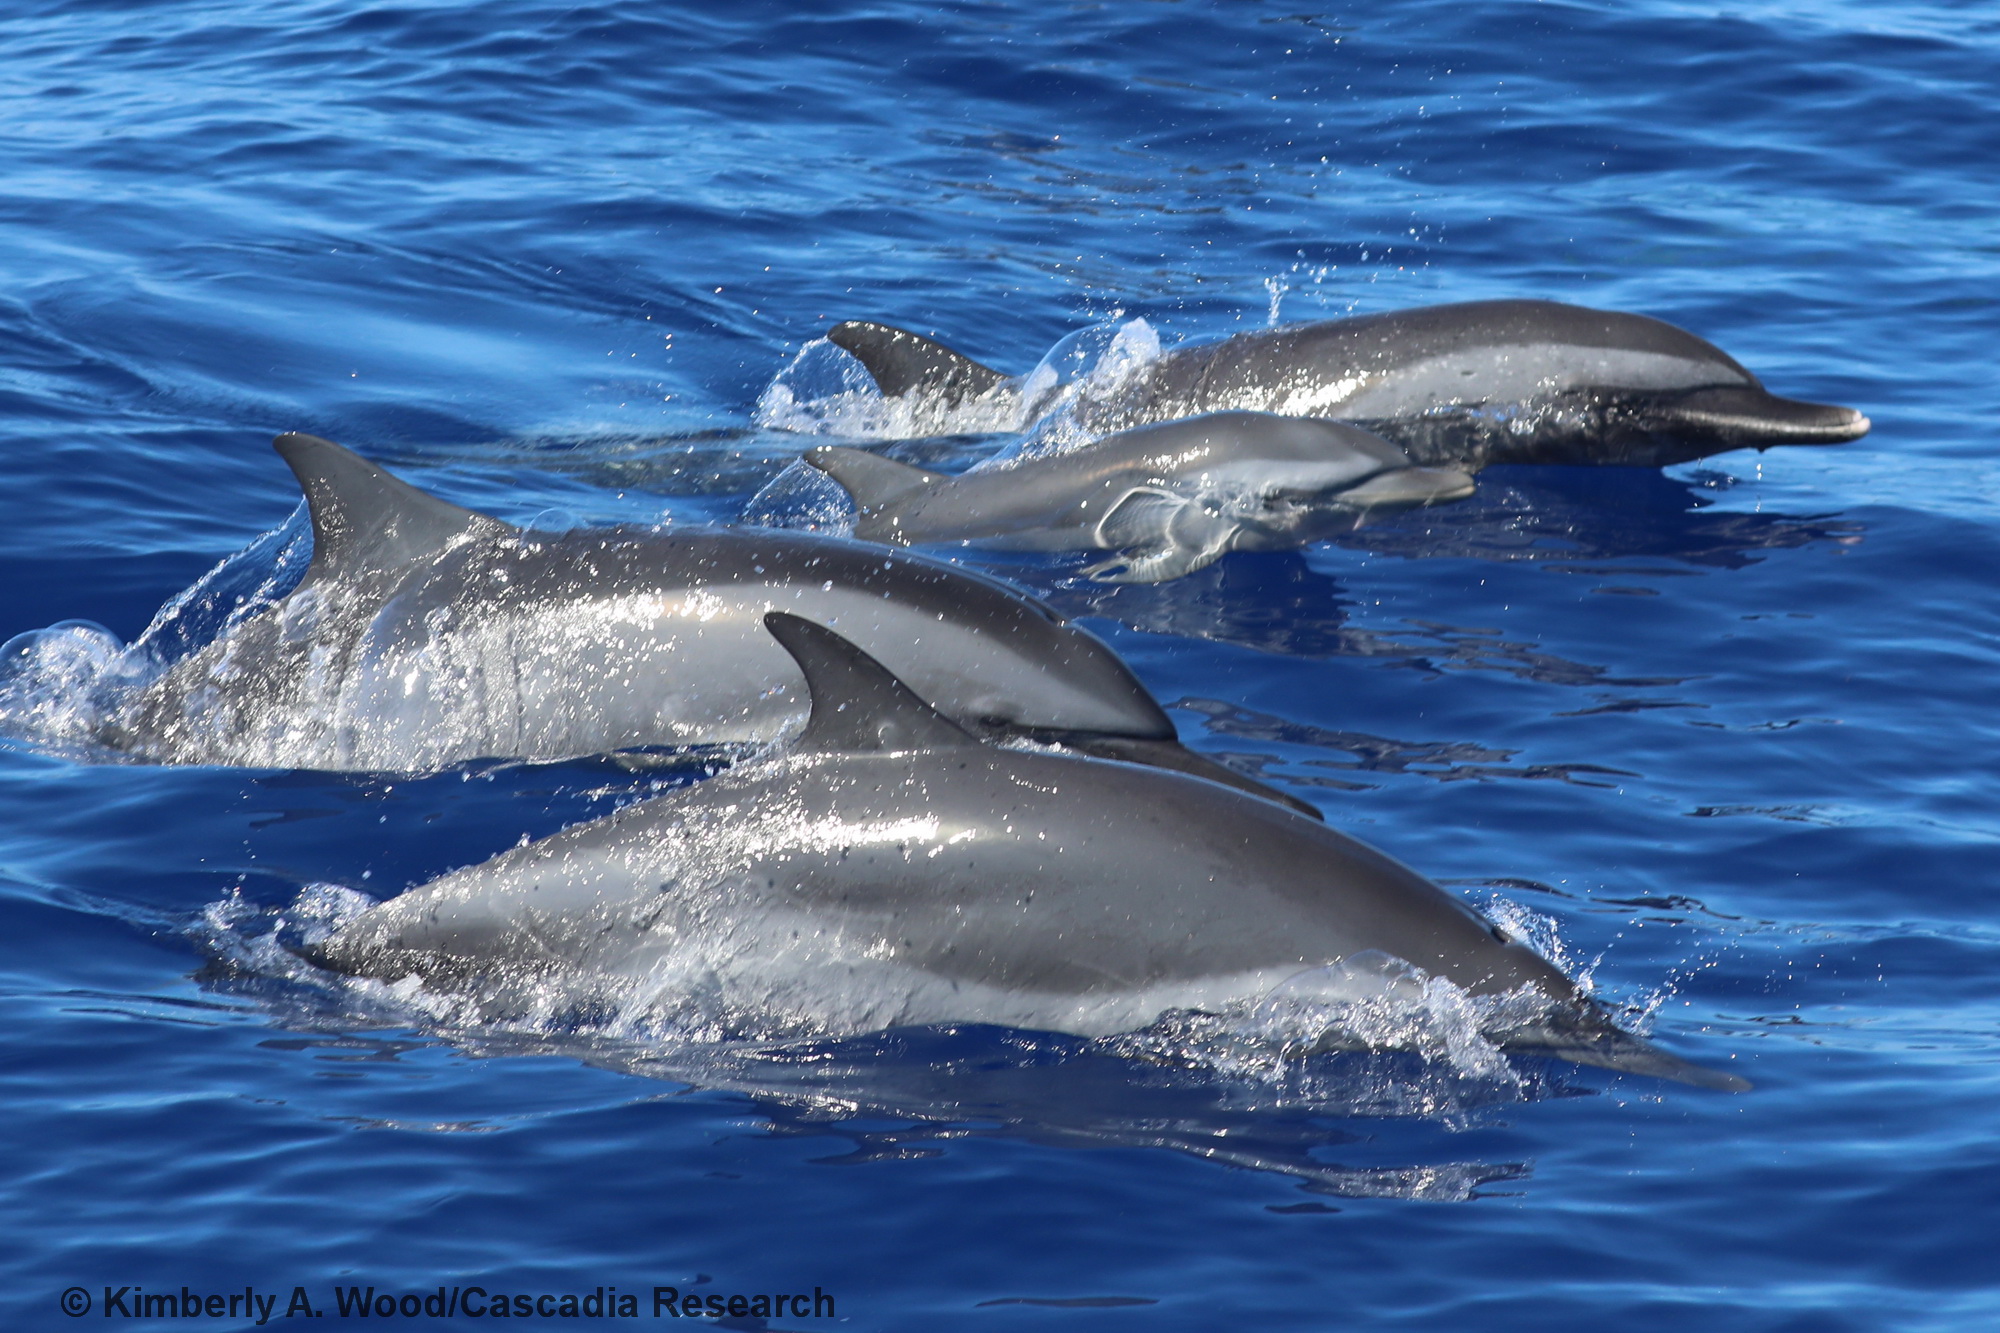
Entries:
{"x":1462,"y":385}
{"x":892,"y":869}
{"x":1170,"y":498}
{"x":424,"y":634}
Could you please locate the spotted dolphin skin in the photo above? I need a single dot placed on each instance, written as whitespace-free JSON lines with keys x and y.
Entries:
{"x":424,"y":635}
{"x":1462,"y":385}
{"x":1169,"y":498}
{"x":892,"y":869}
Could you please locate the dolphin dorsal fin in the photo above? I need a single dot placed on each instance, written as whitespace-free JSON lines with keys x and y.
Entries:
{"x":871,"y":479}
{"x":857,"y":705}
{"x":901,"y":361}
{"x":366,"y":522}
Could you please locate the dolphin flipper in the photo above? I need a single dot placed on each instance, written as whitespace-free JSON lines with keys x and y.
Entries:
{"x":857,"y":705}
{"x":871,"y":480}
{"x":365,"y":522}
{"x":901,"y":361}
{"x":1159,"y":536}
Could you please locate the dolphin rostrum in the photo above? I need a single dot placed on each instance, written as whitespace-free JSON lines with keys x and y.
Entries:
{"x":1170,"y":498}
{"x":892,"y":869}
{"x":424,"y":634}
{"x":1462,"y":385}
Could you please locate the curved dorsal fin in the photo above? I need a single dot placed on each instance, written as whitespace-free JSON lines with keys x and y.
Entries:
{"x":901,"y":361}
{"x":857,"y":706}
{"x":870,"y":479}
{"x":366,"y":522}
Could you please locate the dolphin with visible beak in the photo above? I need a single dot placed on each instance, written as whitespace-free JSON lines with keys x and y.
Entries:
{"x":1169,"y":498}
{"x":424,"y":635}
{"x":893,"y":869}
{"x":1462,"y":385}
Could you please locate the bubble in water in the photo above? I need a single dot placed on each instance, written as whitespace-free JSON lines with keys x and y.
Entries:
{"x":52,"y":681}
{"x":801,"y":498}
{"x":1074,"y":395}
{"x":556,"y":519}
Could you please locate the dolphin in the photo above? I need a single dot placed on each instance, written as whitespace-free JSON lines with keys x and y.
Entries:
{"x":1460,"y":385}
{"x":1171,"y":498}
{"x":893,"y":869}
{"x":424,"y":635}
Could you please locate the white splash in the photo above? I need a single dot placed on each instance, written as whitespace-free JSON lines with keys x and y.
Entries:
{"x":61,"y":686}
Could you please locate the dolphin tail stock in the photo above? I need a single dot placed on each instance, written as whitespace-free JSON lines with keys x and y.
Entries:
{"x":1175,"y":757}
{"x":870,"y":480}
{"x":1747,"y":415}
{"x":858,"y":705}
{"x":900,"y":361}
{"x":365,"y":522}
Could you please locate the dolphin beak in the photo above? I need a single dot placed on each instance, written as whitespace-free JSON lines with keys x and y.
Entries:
{"x":1754,"y":417}
{"x":1409,"y":487}
{"x":1585,"y":1035}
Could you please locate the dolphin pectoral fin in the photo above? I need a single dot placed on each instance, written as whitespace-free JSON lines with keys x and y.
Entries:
{"x":1409,"y":487}
{"x":1744,"y":415}
{"x":1144,"y":516}
{"x":366,"y":522}
{"x":1178,"y":758}
{"x":858,"y":706}
{"x":1609,"y":1047}
{"x":871,"y":481}
{"x":900,"y":361}
{"x":1158,"y":536}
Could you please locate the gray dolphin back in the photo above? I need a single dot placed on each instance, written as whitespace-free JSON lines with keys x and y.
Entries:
{"x":430,"y":635}
{"x":1468,"y":384}
{"x":926,"y":878}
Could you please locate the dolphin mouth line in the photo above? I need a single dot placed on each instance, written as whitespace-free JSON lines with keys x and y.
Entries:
{"x":1757,"y":418}
{"x":1773,"y":433}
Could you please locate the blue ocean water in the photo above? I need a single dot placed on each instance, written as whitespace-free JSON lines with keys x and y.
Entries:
{"x":1723,"y":734}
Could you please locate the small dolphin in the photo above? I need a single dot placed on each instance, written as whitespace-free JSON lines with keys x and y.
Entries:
{"x":1462,"y":385}
{"x":424,"y":635}
{"x":1170,"y":498}
{"x":892,"y":869}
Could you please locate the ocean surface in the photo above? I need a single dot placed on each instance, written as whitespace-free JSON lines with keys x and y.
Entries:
{"x":1721,"y":737}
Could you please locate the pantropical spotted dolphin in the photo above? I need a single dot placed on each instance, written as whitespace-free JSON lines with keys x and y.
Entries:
{"x":424,"y":634}
{"x":1461,"y":385}
{"x":893,"y":869}
{"x":1169,"y":498}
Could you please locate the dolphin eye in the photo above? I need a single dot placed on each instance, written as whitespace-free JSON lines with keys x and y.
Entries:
{"x":1500,"y":935}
